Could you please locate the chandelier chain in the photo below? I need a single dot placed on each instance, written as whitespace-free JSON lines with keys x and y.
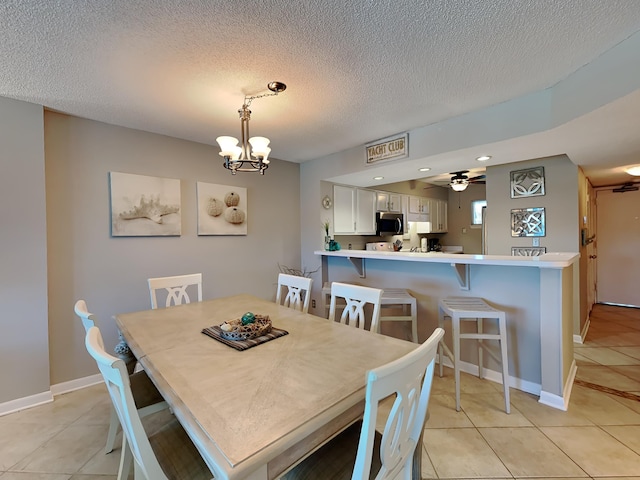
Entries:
{"x":248,"y":100}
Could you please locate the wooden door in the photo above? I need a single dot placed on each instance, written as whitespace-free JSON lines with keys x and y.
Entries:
{"x":618,"y":245}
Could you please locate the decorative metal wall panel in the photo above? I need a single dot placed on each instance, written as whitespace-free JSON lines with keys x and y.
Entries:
{"x":528,"y":251}
{"x":527,"y":183}
{"x":527,"y":222}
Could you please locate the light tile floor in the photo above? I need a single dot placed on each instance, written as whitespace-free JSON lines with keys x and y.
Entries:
{"x":598,"y":437}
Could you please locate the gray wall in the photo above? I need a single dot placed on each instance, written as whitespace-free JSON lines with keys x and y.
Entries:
{"x":560,"y":202}
{"x":24,"y":345}
{"x":459,"y":218}
{"x":111,"y":273}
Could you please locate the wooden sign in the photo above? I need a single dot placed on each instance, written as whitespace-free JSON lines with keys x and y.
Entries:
{"x":388,"y":148}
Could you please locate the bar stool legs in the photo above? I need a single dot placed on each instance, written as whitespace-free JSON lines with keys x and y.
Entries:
{"x":476,"y":310}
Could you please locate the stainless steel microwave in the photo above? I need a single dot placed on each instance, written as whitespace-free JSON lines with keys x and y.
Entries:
{"x":388,"y":223}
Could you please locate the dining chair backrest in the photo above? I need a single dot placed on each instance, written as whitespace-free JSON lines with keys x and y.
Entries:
{"x":297,"y":288}
{"x":356,"y":298}
{"x":176,"y":288}
{"x":116,"y":379}
{"x":409,"y":378}
{"x":88,"y":320}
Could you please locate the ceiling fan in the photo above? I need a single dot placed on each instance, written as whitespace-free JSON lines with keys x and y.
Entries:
{"x":460,"y":180}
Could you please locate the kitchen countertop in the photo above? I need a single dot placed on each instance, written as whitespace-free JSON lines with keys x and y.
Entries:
{"x":547,"y":260}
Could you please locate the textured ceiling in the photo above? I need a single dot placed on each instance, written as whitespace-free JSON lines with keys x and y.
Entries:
{"x":356,"y":71}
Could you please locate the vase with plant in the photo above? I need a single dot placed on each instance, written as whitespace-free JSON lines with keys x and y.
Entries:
{"x":327,"y":238}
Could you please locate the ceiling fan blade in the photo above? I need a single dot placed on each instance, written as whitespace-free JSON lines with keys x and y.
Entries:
{"x":478,"y":178}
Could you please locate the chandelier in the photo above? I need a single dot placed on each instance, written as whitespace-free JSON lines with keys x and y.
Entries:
{"x":253,"y":153}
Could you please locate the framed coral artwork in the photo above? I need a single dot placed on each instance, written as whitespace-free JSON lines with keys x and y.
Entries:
{"x":222,"y":209}
{"x":144,"y":206}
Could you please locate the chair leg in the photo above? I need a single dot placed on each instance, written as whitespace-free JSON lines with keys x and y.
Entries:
{"x":480,"y":360}
{"x":114,"y":423}
{"x":414,"y":322}
{"x":505,"y":362}
{"x":455,"y":322}
{"x":126,"y":460}
{"x":440,"y":349}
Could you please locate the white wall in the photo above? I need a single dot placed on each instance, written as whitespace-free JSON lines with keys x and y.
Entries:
{"x":111,"y":273}
{"x":24,"y":344}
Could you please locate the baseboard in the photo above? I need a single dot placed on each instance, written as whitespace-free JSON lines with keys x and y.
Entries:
{"x":557,"y":401}
{"x":47,"y":397}
{"x":583,"y":334}
{"x":23,"y":403}
{"x":77,"y":384}
{"x":495,"y":376}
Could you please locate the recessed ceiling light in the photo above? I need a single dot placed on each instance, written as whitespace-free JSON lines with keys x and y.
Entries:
{"x":378,"y":178}
{"x":635,"y":171}
{"x":425,"y":169}
{"x":484,"y":158}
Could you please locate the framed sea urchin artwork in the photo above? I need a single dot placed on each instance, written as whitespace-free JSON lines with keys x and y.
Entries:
{"x":222,"y":209}
{"x":143,"y":206}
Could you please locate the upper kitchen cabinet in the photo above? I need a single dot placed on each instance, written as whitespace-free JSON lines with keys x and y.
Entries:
{"x":439,"y":213}
{"x":354,"y":211}
{"x":419,"y":209}
{"x":389,"y":202}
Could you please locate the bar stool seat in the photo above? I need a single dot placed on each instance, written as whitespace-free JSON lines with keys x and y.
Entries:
{"x":391,"y":297}
{"x":476,"y":310}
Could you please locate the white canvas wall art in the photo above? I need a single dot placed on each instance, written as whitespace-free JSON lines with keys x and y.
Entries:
{"x":222,"y":209}
{"x":144,"y":206}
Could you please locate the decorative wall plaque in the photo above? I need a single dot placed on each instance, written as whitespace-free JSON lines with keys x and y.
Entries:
{"x":527,"y":222}
{"x":528,"y":251}
{"x":527,"y":183}
{"x":389,"y":148}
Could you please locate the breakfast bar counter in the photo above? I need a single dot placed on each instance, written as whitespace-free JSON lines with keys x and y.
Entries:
{"x":540,"y":296}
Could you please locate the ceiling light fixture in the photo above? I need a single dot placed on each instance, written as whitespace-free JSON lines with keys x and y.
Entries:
{"x":483,"y":158}
{"x":378,"y":178}
{"x":635,"y":171}
{"x":242,"y":158}
{"x":424,"y":169}
{"x":459,"y":184}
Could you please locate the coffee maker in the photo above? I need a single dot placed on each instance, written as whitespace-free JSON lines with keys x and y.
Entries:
{"x":433,"y":244}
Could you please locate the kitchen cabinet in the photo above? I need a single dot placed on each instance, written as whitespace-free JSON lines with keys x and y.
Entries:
{"x":439,"y":213}
{"x":354,"y":211}
{"x":419,"y":209}
{"x":389,"y":202}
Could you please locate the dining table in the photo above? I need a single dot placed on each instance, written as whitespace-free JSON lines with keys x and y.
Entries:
{"x":254,"y":413}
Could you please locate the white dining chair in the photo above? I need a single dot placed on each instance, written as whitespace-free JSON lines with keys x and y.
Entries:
{"x":296,"y":288}
{"x":176,"y":288}
{"x":386,"y":456}
{"x":146,"y":396}
{"x":168,"y":453}
{"x":356,"y":297}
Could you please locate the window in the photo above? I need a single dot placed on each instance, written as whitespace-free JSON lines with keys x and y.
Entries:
{"x":476,"y":212}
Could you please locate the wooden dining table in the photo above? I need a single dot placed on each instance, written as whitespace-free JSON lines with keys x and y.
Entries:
{"x":254,"y":413}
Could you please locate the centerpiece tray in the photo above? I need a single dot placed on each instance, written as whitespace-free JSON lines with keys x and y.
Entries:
{"x":241,"y":335}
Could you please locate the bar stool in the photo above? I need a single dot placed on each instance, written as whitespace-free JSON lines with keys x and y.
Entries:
{"x":391,"y":297}
{"x":475,"y":310}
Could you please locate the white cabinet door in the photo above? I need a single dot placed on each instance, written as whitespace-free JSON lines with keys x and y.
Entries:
{"x":366,"y":212}
{"x":389,"y":202}
{"x":382,"y":201}
{"x":439,"y":216}
{"x":344,"y":209}
{"x":419,"y":209}
{"x":395,"y":202}
{"x":415,"y":205}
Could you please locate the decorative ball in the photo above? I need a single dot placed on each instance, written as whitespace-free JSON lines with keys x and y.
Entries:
{"x":248,"y":318}
{"x":234,"y":215}
{"x":232,"y":199}
{"x":215,"y":207}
